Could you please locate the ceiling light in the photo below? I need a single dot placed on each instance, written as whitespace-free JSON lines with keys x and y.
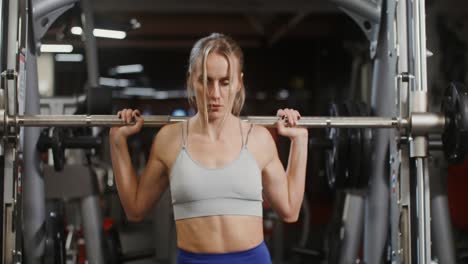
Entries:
{"x":114,"y":82}
{"x":106,"y":33}
{"x":101,"y":33}
{"x":76,"y":30}
{"x":69,"y":57}
{"x":132,"y":68}
{"x":57,"y":48}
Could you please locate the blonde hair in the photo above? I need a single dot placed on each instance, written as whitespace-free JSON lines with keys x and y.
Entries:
{"x":227,"y":47}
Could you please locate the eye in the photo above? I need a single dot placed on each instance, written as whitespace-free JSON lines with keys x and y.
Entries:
{"x":225,"y":82}
{"x":200,"y":80}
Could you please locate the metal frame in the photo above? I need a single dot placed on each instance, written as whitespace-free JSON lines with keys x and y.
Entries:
{"x":402,"y":48}
{"x":11,"y":198}
{"x":367,"y":14}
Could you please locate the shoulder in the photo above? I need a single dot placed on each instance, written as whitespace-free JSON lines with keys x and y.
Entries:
{"x":167,"y":143}
{"x":261,"y":138}
{"x":168,"y":136}
{"x":261,"y":133}
{"x":170,"y":130}
{"x":262,"y":145}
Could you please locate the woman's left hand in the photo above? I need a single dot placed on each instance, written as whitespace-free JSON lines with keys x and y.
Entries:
{"x":287,"y":125}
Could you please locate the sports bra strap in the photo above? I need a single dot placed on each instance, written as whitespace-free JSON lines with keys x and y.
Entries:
{"x":247,"y":137}
{"x":184,"y":134}
{"x":241,"y":131}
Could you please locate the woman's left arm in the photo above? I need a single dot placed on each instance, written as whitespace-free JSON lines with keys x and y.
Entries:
{"x":284,"y":190}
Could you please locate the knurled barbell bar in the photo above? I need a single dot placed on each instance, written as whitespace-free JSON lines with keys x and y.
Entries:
{"x":419,"y":123}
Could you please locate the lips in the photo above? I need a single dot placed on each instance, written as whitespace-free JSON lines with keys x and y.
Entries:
{"x":214,"y":107}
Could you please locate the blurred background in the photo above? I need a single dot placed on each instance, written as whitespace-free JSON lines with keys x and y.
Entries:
{"x":298,"y":54}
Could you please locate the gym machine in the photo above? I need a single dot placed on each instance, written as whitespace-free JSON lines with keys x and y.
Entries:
{"x":396,"y":31}
{"x":26,"y":23}
{"x":398,"y":196}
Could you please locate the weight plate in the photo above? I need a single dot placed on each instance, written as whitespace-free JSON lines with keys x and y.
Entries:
{"x":336,"y":157}
{"x":455,"y":135}
{"x":366,"y":148}
{"x":353,"y":171}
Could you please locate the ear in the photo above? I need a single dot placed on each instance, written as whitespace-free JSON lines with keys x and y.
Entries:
{"x":241,"y":81}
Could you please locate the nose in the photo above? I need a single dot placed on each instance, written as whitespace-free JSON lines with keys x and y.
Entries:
{"x":215,"y":91}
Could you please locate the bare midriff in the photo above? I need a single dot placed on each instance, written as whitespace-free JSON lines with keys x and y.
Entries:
{"x":219,"y":234}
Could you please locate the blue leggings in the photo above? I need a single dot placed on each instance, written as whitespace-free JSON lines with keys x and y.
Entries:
{"x":256,"y":255}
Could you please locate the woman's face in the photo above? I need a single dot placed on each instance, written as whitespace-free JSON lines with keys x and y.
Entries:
{"x":218,"y":86}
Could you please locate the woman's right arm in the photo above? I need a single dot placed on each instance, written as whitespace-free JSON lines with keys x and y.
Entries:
{"x":137,"y":194}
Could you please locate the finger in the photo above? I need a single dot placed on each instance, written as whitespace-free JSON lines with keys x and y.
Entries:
{"x":139,"y":122}
{"x":280,"y":113}
{"x":131,"y":118}
{"x":295,"y":116}
{"x":135,"y":116}
{"x":290,"y":117}
{"x":283,"y":116}
{"x":128,"y":116}
{"x":280,"y":125}
{"x":121,"y":114}
{"x":124,"y":115}
{"x":298,"y":115}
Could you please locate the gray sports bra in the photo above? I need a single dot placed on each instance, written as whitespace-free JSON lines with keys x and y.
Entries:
{"x":234,"y":189}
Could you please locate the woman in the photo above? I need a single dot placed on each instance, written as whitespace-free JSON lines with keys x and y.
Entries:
{"x":217,"y":166}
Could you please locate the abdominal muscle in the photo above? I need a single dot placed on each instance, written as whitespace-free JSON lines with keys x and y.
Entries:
{"x":219,"y":234}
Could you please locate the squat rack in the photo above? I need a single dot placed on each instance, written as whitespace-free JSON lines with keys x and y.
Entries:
{"x":416,"y":123}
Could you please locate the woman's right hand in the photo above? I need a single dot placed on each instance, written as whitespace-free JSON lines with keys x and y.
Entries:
{"x":128,"y":116}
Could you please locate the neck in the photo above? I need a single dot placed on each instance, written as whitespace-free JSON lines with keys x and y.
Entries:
{"x":215,"y":127}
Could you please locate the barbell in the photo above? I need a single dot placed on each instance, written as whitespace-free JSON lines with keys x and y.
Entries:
{"x":452,"y":123}
{"x":422,"y":123}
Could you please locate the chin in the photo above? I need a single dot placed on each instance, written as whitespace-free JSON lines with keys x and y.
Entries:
{"x":215,"y":115}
